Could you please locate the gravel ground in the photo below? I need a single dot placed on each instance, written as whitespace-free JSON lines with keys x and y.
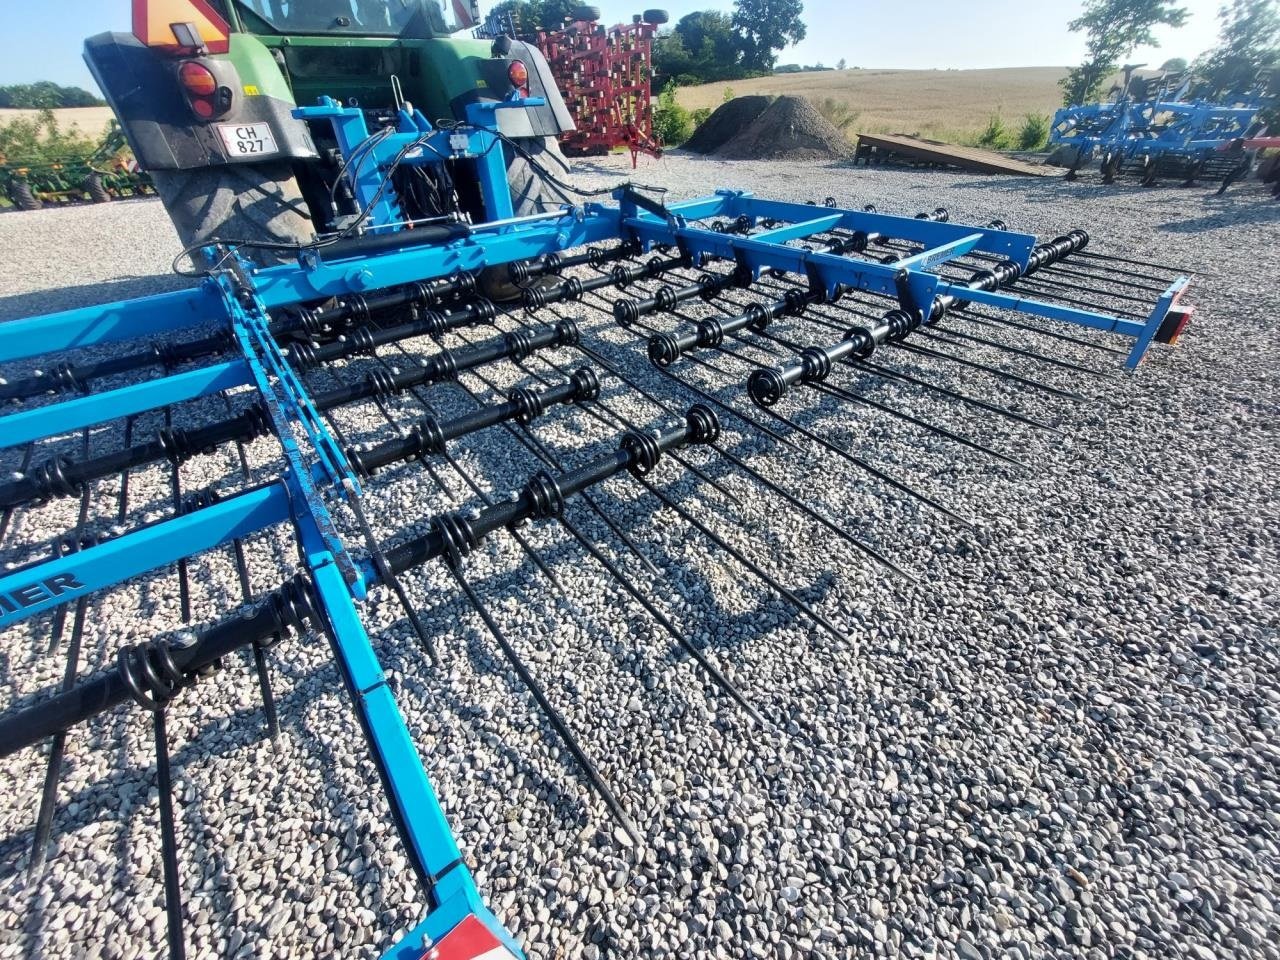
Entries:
{"x":1060,"y":741}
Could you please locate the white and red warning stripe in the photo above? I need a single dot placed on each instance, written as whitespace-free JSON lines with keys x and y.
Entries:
{"x":469,"y":940}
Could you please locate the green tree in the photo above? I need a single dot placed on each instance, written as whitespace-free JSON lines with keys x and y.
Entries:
{"x":841,"y":63}
{"x":44,"y":95}
{"x":529,"y":16}
{"x":1248,"y":42}
{"x":1115,"y":29}
{"x":1174,"y":65}
{"x":767,"y":27}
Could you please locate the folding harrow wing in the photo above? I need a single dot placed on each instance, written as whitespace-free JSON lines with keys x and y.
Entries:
{"x":815,"y":288}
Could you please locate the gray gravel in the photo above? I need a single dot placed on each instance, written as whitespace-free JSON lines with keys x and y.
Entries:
{"x":1061,"y":742}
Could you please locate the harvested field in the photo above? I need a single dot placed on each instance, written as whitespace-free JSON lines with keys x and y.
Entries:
{"x":927,"y":102}
{"x":92,"y":121}
{"x":1060,"y":743}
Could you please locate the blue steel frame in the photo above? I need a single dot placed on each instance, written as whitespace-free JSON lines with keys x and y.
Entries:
{"x":1191,"y":130}
{"x":239,"y":299}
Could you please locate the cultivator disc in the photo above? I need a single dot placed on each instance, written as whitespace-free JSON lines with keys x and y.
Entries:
{"x":211,"y":460}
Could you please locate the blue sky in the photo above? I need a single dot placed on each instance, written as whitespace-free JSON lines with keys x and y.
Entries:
{"x":870,"y":33}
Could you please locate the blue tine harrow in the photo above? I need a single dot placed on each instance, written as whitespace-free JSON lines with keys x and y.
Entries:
{"x":723,"y":312}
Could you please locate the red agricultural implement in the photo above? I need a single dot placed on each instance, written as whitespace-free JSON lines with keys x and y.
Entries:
{"x":604,"y":75}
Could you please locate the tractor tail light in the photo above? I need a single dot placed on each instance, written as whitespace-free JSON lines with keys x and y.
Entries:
{"x":197,"y":80}
{"x":518,"y":74}
{"x":207,"y":96}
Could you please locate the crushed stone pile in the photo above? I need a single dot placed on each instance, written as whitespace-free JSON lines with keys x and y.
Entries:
{"x":790,"y":129}
{"x":728,"y":121}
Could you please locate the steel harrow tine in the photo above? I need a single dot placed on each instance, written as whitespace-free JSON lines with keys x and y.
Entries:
{"x":704,"y":395}
{"x":542,"y":452}
{"x":1093,"y":255}
{"x":994,"y":371}
{"x":57,"y":748}
{"x":933,"y":428}
{"x":844,"y":454}
{"x":1058,"y":269}
{"x":69,"y":544}
{"x":750,"y":564}
{"x":168,"y":840}
{"x":948,"y":335}
{"x":1044,"y":280}
{"x":989,"y":320}
{"x":246,"y":596}
{"x":1049,"y":290}
{"x":592,"y":775}
{"x":902,"y":376}
{"x":753,"y":474}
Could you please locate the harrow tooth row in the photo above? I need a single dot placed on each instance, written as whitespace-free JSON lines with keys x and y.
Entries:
{"x":733,"y":301}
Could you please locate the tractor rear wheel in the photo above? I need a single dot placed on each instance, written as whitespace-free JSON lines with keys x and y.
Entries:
{"x":93,"y":186}
{"x":255,"y":202}
{"x":530,"y":194}
{"x":585,"y":13}
{"x":530,"y":191}
{"x":22,"y":197}
{"x":656,"y":17}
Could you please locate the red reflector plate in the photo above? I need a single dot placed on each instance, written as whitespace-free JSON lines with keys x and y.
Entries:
{"x":469,"y":940}
{"x":153,"y":23}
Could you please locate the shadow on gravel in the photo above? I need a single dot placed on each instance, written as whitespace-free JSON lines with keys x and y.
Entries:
{"x":21,"y":305}
{"x":1246,"y":208}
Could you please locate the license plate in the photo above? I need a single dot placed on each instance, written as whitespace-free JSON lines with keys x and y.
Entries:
{"x":248,"y":139}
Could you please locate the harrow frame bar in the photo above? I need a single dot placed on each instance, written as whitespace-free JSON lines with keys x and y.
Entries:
{"x":239,"y":299}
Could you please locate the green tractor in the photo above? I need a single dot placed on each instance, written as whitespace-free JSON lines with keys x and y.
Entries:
{"x":205,"y":92}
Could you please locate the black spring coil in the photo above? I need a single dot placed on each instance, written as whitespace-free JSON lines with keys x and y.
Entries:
{"x":534,"y":299}
{"x":459,"y":539}
{"x":51,"y":479}
{"x":519,"y":344}
{"x":665,"y":298}
{"x":151,"y":675}
{"x":361,"y":342}
{"x":435,"y":322}
{"x":760,"y":317}
{"x":303,"y":356}
{"x":864,"y":344}
{"x":567,"y":333}
{"x":547,"y":497}
{"x":586,"y":385}
{"x":654,"y":267}
{"x":177,"y":444}
{"x":444,"y":366}
{"x":64,"y":378}
{"x":529,"y":403}
{"x":710,"y":332}
{"x":644,"y":450}
{"x":797,"y":301}
{"x":427,"y":436}
{"x":703,"y":424}
{"x":816,"y":363}
{"x":664,"y":349}
{"x":382,"y":384}
{"x":766,"y":386}
{"x":305,"y":321}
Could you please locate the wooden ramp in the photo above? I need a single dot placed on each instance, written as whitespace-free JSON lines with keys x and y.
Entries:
{"x":873,"y":147}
